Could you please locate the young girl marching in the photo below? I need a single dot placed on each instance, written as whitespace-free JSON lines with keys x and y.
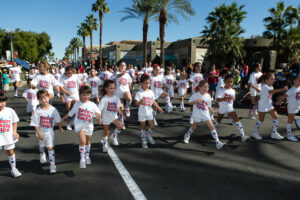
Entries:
{"x":8,"y":133}
{"x":145,"y":99}
{"x":195,"y":79}
{"x":265,"y":106}
{"x":105,"y":74}
{"x":293,"y":100}
{"x":69,"y":85}
{"x":255,"y":88}
{"x":123,"y":87}
{"x":201,"y":102}
{"x":170,"y":82}
{"x":225,"y":98}
{"x":94,"y":83}
{"x":84,"y":111}
{"x":44,"y":119}
{"x":182,"y":86}
{"x":157,"y":84}
{"x":110,"y":105}
{"x":45,"y":80}
{"x":15,"y":73}
{"x":30,"y":96}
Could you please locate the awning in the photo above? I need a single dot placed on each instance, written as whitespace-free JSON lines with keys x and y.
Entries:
{"x":22,"y":62}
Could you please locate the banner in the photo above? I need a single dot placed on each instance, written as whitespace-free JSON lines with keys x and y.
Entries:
{"x":8,"y":55}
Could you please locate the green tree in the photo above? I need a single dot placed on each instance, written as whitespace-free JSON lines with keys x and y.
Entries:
{"x":169,"y":10}
{"x":83,"y":32}
{"x":91,"y":24}
{"x":145,"y":11}
{"x":223,"y":33}
{"x":101,"y":7}
{"x":279,"y":27}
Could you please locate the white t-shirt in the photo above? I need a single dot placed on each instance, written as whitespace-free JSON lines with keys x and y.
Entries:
{"x":57,"y":76}
{"x":265,"y":96}
{"x":123,"y":82}
{"x":7,"y":118}
{"x":31,"y":95}
{"x":220,"y":84}
{"x":201,"y":110}
{"x":84,"y":113}
{"x":94,"y":82}
{"x":149,"y":97}
{"x":15,"y":73}
{"x":170,"y":81}
{"x":71,"y":84}
{"x":228,"y":104}
{"x":108,"y":107}
{"x":105,"y":75}
{"x":62,"y":71}
{"x":157,"y":83}
{"x":196,"y":79}
{"x":182,"y":85}
{"x":45,"y":119}
{"x":148,"y":70}
{"x":253,"y":79}
{"x":293,"y":96}
{"x":31,"y":76}
{"x":46,"y":82}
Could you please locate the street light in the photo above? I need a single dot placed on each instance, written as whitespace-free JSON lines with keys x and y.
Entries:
{"x":11,"y":36}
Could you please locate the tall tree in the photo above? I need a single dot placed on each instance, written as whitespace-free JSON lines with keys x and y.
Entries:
{"x":169,"y":10}
{"x":145,"y":11}
{"x":83,"y":32}
{"x":101,"y":7}
{"x":223,"y":33}
{"x":75,"y":43}
{"x":92,"y":25}
{"x":279,"y":22}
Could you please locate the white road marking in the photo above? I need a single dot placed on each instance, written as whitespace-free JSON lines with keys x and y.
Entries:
{"x":132,"y":186}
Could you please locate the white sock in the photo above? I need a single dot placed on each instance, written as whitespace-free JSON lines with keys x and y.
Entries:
{"x":289,"y":129}
{"x":190,"y":131}
{"x":104,"y":140}
{"x":12,"y":161}
{"x":215,"y":136}
{"x":143,"y":134}
{"x":239,"y":126}
{"x":51,"y":157}
{"x":116,"y":133}
{"x":121,"y":118}
{"x":82,"y":152}
{"x":275,"y":125}
{"x":149,"y":132}
{"x":257,"y":126}
{"x":87,"y":150}
{"x":42,"y":149}
{"x":128,"y":103}
{"x":168,"y":101}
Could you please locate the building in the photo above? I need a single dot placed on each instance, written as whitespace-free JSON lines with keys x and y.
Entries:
{"x":181,"y":52}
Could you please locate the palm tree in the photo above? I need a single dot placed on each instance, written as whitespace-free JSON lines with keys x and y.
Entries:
{"x":83,"y":32}
{"x":143,"y":10}
{"x":91,"y":24}
{"x":68,"y":52}
{"x":169,"y":9}
{"x":277,"y":25}
{"x":223,"y":33}
{"x":101,"y":7}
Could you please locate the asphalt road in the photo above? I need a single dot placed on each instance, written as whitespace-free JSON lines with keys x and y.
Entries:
{"x":172,"y":170}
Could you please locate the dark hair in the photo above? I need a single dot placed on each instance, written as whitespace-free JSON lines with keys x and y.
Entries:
{"x":105,"y":85}
{"x":265,"y":77}
{"x":203,"y":82}
{"x":121,"y":61}
{"x":144,"y":77}
{"x":295,"y":77}
{"x":3,"y":96}
{"x":85,"y":89}
{"x":228,"y":77}
{"x":224,"y":71}
{"x":70,"y":68}
{"x":196,"y":63}
{"x":40,"y":93}
{"x":29,"y":80}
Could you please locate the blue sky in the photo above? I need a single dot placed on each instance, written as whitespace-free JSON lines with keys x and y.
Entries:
{"x":60,"y":18}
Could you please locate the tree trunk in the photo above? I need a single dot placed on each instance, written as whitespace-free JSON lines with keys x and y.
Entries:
{"x":145,"y":32}
{"x":100,"y":47}
{"x":83,"y":50}
{"x":162,"y":23}
{"x":91,"y":52}
{"x":78,"y":53}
